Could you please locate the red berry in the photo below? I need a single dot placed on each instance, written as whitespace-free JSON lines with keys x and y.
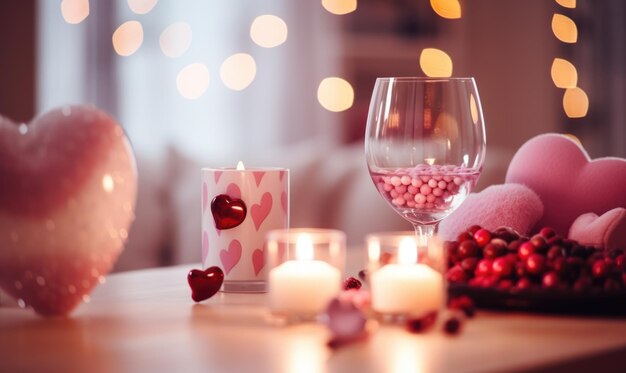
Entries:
{"x":351,"y":283}
{"x":456,"y":274}
{"x":501,"y":267}
{"x":550,"y":280}
{"x":491,"y":251}
{"x":468,"y":249}
{"x":547,"y":232}
{"x":363,"y":274}
{"x":482,"y":237}
{"x":539,"y":243}
{"x":499,"y":242}
{"x":469,"y":264}
{"x":475,"y":282}
{"x":484,"y":268}
{"x":452,"y":326}
{"x":554,"y":252}
{"x":463,"y":303}
{"x":489,"y":281}
{"x":535,"y":264}
{"x":421,"y":324}
{"x":513,"y":246}
{"x":464,"y":236}
{"x":525,"y":250}
{"x":523,"y":283}
{"x":561,"y":267}
{"x":583,"y":283}
{"x":450,"y":248}
{"x":620,"y":262}
{"x":600,"y":268}
{"x":505,"y":284}
{"x":474,"y":228}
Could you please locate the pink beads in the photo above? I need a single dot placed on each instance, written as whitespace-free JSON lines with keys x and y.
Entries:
{"x":424,"y":186}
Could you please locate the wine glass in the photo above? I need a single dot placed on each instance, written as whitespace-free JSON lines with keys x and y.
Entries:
{"x":425,"y":146}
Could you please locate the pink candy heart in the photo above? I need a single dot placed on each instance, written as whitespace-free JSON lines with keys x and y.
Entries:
{"x":607,"y":231}
{"x":567,"y":181}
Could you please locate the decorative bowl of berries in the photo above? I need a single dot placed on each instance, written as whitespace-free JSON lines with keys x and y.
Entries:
{"x":545,"y":272}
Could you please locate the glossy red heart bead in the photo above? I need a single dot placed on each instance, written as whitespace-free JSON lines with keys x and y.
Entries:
{"x":227,"y":212}
{"x":204,"y":284}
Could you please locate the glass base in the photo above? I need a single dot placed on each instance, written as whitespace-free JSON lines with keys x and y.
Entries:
{"x":244,"y":287}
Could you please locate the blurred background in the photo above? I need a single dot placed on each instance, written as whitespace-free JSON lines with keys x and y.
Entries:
{"x":287,"y":83}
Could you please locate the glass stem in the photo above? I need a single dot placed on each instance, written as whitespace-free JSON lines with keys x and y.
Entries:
{"x":424,"y":232}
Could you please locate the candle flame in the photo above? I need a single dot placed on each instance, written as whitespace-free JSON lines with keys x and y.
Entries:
{"x":407,"y":252}
{"x":240,"y":166}
{"x":304,"y":247}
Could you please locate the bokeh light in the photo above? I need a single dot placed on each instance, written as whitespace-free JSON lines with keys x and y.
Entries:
{"x":74,"y":11}
{"x":335,"y":94}
{"x":128,"y":38}
{"x":340,"y":7}
{"x":567,"y":3}
{"x":238,"y":71}
{"x":564,"y":28}
{"x":192,"y":81}
{"x":141,"y":6}
{"x":575,"y":103}
{"x":564,"y":74}
{"x":268,"y":31}
{"x":175,"y":39}
{"x":435,"y":63}
{"x":449,"y":9}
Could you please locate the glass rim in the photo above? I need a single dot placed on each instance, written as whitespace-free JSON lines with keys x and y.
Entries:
{"x":424,"y":79}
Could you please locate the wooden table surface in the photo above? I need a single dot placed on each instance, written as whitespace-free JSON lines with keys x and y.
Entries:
{"x":146,"y":321}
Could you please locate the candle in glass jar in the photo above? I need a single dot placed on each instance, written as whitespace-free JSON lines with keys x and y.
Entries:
{"x":303,"y":285}
{"x":239,"y":206}
{"x":406,"y":287}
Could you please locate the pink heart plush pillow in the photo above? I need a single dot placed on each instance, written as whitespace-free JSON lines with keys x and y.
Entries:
{"x":607,"y":231}
{"x":511,"y":205}
{"x":567,"y":181}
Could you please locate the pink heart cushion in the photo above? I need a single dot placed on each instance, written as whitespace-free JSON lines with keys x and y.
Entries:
{"x":567,"y":181}
{"x":511,"y":205}
{"x":607,"y":230}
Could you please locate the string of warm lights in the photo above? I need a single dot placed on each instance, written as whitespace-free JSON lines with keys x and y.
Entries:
{"x":563,"y":72}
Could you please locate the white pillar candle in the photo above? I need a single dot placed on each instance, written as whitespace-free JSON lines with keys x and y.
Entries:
{"x":406,"y":287}
{"x":303,"y":285}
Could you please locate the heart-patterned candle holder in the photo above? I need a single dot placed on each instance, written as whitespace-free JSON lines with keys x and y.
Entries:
{"x":68,"y":185}
{"x":244,"y":205}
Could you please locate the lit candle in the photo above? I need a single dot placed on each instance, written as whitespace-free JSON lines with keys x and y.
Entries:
{"x":304,"y":285}
{"x":406,"y":287}
{"x":239,"y":206}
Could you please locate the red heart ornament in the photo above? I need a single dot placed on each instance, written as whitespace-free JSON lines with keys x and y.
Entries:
{"x":204,"y":284}
{"x":227,"y":212}
{"x":568,"y":182}
{"x":67,"y":197}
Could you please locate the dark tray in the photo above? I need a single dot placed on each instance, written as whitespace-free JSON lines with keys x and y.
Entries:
{"x":563,"y":302}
